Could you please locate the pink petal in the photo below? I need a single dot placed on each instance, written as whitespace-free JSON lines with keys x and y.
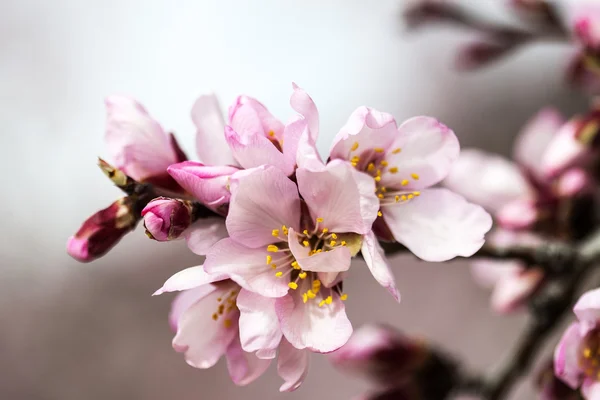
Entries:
{"x":438,"y":225}
{"x":306,"y":325}
{"x":244,"y":368}
{"x":572,"y":182}
{"x":292,"y":134}
{"x":330,"y":279}
{"x":262,"y":200}
{"x":337,"y":259}
{"x":185,"y":300}
{"x":513,"y":290}
{"x":369,"y":128}
{"x":248,"y":116}
{"x":535,"y":137}
{"x":518,"y":214}
{"x":587,"y":309}
{"x":259,"y":326}
{"x":591,"y":389}
{"x":137,"y":143}
{"x":307,"y":155}
{"x":566,"y":360}
{"x":199,"y":336}
{"x":292,"y":366}
{"x":487,"y":273}
{"x":189,"y":278}
{"x":203,"y":234}
{"x":210,"y":132}
{"x":245,"y":266}
{"x":428,"y":149}
{"x":343,"y":197}
{"x":565,"y":151}
{"x":305,"y":106}
{"x":486,"y":179}
{"x":208,"y":184}
{"x":254,"y":151}
{"x":377,"y":263}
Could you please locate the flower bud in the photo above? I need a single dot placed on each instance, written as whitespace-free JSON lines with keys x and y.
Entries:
{"x":586,"y":26}
{"x":100,"y":232}
{"x":166,"y":219}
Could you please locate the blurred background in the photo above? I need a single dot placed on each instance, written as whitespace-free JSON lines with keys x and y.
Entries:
{"x":70,"y":331}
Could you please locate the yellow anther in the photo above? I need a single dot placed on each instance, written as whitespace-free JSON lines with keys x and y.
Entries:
{"x":219,"y":299}
{"x":384,"y":163}
{"x":393,"y":170}
{"x":343,"y":243}
{"x":380,"y":195}
{"x":215,"y":316}
{"x":293,"y":285}
{"x":295,"y":265}
{"x":403,"y":198}
{"x":319,"y":251}
{"x":272,"y":248}
{"x":302,"y":275}
{"x":383,"y":189}
{"x":227,"y":323}
{"x":410,"y":196}
{"x":354,"y":164}
{"x":321,"y":303}
{"x":305,"y":243}
{"x":316,"y":283}
{"x":396,"y":151}
{"x":329,"y":300}
{"x":319,"y":219}
{"x":415,"y":176}
{"x":332,"y":243}
{"x":271,"y":133}
{"x":304,"y":297}
{"x":344,"y":297}
{"x":284,"y":229}
{"x":587,"y":353}
{"x":334,"y":236}
{"x":269,"y":259}
{"x":397,"y":198}
{"x":417,"y":193}
{"x":221,"y":308}
{"x":377,"y":178}
{"x":371,"y":167}
{"x":325,"y":230}
{"x":379,"y":214}
{"x":310,"y":294}
{"x":305,"y":231}
{"x":274,"y":266}
{"x":355,"y":159}
{"x":354,"y":146}
{"x":404,"y":182}
{"x":378,"y":172}
{"x":378,"y":150}
{"x":279,"y":274}
{"x":275,"y":232}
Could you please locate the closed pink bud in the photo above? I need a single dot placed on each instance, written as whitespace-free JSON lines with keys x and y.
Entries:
{"x":100,"y":232}
{"x":586,"y":26}
{"x":166,"y":219}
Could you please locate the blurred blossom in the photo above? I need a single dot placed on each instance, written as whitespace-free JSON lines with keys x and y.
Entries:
{"x":577,"y":356}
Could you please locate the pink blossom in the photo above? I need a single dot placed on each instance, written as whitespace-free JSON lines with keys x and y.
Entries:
{"x":103,"y":230}
{"x":585,"y":21}
{"x":139,"y":146}
{"x":576,"y":359}
{"x":435,"y":224}
{"x":166,"y":219}
{"x":276,"y":250}
{"x":207,"y":315}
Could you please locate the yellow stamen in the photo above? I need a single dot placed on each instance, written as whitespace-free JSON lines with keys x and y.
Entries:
{"x":316,"y":285}
{"x":279,"y":274}
{"x":219,"y":299}
{"x":305,"y":243}
{"x":269,"y":259}
{"x":393,"y":170}
{"x":384,"y":163}
{"x":333,"y":235}
{"x":343,"y":243}
{"x":397,"y":198}
{"x":354,"y":146}
{"x":410,"y":196}
{"x":302,"y":275}
{"x":383,"y":189}
{"x":378,"y":150}
{"x":293,"y":285}
{"x":304,"y":297}
{"x":403,"y":198}
{"x":227,"y":323}
{"x":417,"y":193}
{"x":332,"y":243}
{"x":274,"y":266}
{"x":587,"y":353}
{"x":404,"y":182}
{"x":272,"y":248}
{"x":319,"y":219}
{"x":321,"y":303}
{"x":271,"y":133}
{"x":379,"y":214}
{"x":370,"y":167}
{"x":310,"y":294}
{"x":355,"y":159}
{"x":344,"y":297}
{"x":275,"y":232}
{"x":284,"y":229}
{"x":396,"y":151}
{"x":295,"y":265}
{"x":415,"y":176}
{"x":377,"y":178}
{"x":215,"y":316}
{"x":325,"y":230}
{"x":329,"y":300}
{"x":380,"y":195}
{"x":305,"y":231}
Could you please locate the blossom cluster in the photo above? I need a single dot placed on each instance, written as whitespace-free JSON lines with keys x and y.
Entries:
{"x":279,"y":225}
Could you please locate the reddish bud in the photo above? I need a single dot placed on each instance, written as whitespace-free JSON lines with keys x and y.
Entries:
{"x":166,"y":219}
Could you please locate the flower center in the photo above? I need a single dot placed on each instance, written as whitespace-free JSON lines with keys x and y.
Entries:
{"x":226,"y":304}
{"x":589,"y":357}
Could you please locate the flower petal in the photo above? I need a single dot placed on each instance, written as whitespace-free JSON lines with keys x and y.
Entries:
{"x":244,"y":368}
{"x":587,"y":309}
{"x":377,"y":263}
{"x":255,"y":150}
{"x":185,"y":300}
{"x":337,"y":259}
{"x":518,"y":214}
{"x":208,"y":184}
{"x":292,"y":366}
{"x":203,"y":234}
{"x":291,"y":145}
{"x":565,"y":150}
{"x":262,"y":200}
{"x":203,"y":339}
{"x":428,"y":149}
{"x":210,"y":132}
{"x":259,"y":326}
{"x":566,"y":362}
{"x":189,"y":278}
{"x":513,"y":290}
{"x":137,"y":143}
{"x":306,"y":325}
{"x":591,"y":389}
{"x":438,"y":225}
{"x":370,"y":128}
{"x":245,"y":266}
{"x":342,"y":196}
{"x":307,"y":155}
{"x":486,"y":179}
{"x":248,"y":116}
{"x":487,"y":272}
{"x":535,"y":137}
{"x":305,"y":106}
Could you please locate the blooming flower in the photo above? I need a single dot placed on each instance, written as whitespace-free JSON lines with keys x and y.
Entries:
{"x":577,"y":356}
{"x":404,"y":162}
